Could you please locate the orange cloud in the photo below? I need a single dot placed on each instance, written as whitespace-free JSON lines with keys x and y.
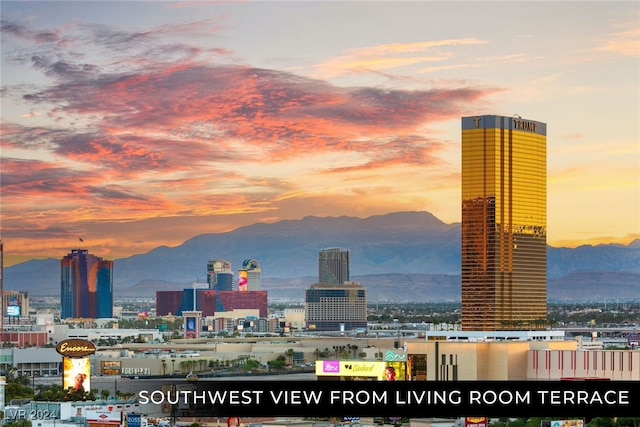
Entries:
{"x":166,"y":138}
{"x":389,"y":56}
{"x":625,"y":43}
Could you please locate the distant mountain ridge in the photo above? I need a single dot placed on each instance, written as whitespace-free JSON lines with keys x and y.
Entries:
{"x":414,"y":248}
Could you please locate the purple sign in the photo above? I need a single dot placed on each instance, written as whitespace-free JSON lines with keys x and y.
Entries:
{"x":331,"y":367}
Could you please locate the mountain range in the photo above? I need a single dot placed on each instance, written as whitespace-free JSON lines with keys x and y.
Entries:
{"x":411,"y":251}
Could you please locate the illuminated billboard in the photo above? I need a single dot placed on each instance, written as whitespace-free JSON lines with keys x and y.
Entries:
{"x":476,"y":422}
{"x":396,"y":365}
{"x":13,"y":310}
{"x":76,"y":374}
{"x":395,"y":371}
{"x":243,"y":280}
{"x":111,"y":367}
{"x":192,"y":322}
{"x":351,"y":368}
{"x":13,"y":307}
{"x":567,"y":423}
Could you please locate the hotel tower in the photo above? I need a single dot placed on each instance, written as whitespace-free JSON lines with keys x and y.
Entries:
{"x":86,"y":286}
{"x":334,"y":266}
{"x":335,"y":303}
{"x":504,"y":223}
{"x":220,"y":275}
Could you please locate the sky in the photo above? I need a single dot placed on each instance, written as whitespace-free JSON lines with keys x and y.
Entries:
{"x":132,"y":125}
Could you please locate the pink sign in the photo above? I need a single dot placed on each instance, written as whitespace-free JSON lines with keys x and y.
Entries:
{"x":331,"y":367}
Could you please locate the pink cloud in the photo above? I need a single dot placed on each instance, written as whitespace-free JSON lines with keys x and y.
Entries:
{"x":158,"y":131}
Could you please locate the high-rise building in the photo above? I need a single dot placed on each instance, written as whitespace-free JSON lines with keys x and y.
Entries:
{"x":250,"y":276}
{"x":220,"y":275}
{"x":504,"y":223}
{"x":334,"y":266}
{"x":86,"y":286}
{"x":336,"y":307}
{"x":335,"y":303}
{"x":16,"y":306}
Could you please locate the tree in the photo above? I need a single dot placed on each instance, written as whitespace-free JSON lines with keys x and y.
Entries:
{"x":17,"y":423}
{"x":534,"y":422}
{"x":289,"y":353}
{"x":14,"y":390}
{"x":628,"y":422}
{"x":279,"y":363}
{"x":22,"y":380}
{"x":601,"y":422}
{"x":518,"y":423}
{"x":76,"y":395}
{"x":252,"y":364}
{"x":51,"y":393}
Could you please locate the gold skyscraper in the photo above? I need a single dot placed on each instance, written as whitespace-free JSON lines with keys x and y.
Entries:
{"x":504,"y":223}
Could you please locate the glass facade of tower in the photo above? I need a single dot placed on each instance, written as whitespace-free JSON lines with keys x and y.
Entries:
{"x":504,"y":223}
{"x":220,"y":275}
{"x":334,"y":265}
{"x":86,"y":286}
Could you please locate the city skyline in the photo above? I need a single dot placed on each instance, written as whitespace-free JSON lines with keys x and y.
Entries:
{"x":146,"y":124}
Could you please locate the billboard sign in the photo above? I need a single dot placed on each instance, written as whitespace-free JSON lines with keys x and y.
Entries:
{"x":76,"y":374}
{"x":395,"y":355}
{"x":100,"y":414}
{"x":13,"y":307}
{"x":134,"y":420}
{"x":395,"y":371}
{"x":243,"y":280}
{"x":13,"y":311}
{"x":567,"y":423}
{"x":476,"y":422}
{"x":111,"y":367}
{"x":191,"y":327}
{"x":350,"y":368}
{"x":76,"y":348}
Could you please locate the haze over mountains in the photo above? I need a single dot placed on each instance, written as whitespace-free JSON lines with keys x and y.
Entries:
{"x":406,"y":256}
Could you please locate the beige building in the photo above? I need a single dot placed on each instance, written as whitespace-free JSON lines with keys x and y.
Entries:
{"x":556,"y":364}
{"x":295,"y":317}
{"x":182,"y":356}
{"x":476,"y":361}
{"x":331,"y":307}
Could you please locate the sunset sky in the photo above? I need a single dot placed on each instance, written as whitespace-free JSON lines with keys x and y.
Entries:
{"x":138,"y":124}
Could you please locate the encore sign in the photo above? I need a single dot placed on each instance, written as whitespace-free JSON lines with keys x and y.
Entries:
{"x":76,"y":348}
